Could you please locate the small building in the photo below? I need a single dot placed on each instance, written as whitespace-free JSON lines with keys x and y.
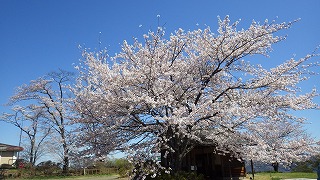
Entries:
{"x":204,"y":160}
{"x":8,"y":153}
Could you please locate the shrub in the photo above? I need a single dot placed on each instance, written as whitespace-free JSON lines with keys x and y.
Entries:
{"x":302,"y":167}
{"x":123,"y":166}
{"x":48,"y":167}
{"x":6,"y":166}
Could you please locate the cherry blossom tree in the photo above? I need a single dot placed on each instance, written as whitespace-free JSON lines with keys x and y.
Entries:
{"x":31,"y":121}
{"x":51,"y":93}
{"x":193,"y":88}
{"x":281,"y":142}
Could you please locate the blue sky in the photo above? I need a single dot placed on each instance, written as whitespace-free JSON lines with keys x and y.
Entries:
{"x":37,"y":37}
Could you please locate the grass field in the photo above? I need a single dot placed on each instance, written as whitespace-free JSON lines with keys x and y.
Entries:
{"x":278,"y":176}
{"x":90,"y":177}
{"x":105,"y":177}
{"x":258,"y":176}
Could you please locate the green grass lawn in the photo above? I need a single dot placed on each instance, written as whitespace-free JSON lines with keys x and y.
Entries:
{"x":258,"y":176}
{"x":278,"y":176}
{"x":98,"y":177}
{"x":88,"y":177}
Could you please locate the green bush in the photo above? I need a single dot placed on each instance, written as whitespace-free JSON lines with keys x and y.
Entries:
{"x":303,"y":167}
{"x":124,"y":167}
{"x":48,"y":167}
{"x":308,"y":166}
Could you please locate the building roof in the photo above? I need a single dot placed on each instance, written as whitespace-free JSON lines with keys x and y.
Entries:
{"x":7,"y":147}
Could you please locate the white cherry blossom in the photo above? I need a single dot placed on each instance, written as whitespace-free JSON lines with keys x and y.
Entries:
{"x":195,"y":88}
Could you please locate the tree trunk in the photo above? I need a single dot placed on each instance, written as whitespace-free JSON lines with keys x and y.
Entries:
{"x":31,"y":153}
{"x":252,"y":170}
{"x":275,"y":166}
{"x":177,"y":162}
{"x":180,"y":145}
{"x":65,"y":167}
